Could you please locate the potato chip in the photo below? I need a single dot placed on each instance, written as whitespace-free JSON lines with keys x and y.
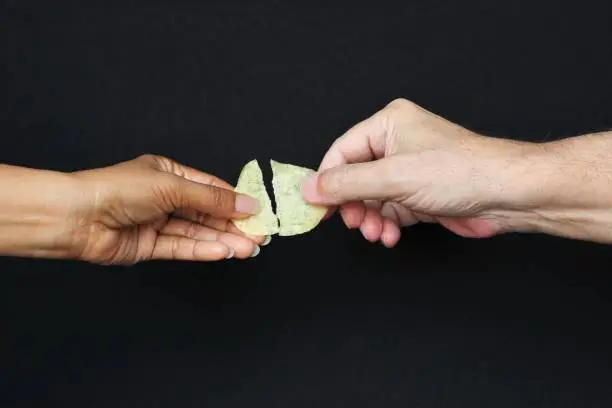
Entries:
{"x":295,"y":215}
{"x":250,"y":182}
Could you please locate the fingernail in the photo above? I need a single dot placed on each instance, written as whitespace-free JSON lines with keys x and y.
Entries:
{"x":310,"y":189}
{"x":255,"y":251}
{"x":246,"y":204}
{"x":232,"y":251}
{"x":267,"y":240}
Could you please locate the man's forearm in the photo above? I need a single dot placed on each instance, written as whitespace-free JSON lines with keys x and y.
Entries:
{"x":34,"y":205}
{"x":569,"y":188}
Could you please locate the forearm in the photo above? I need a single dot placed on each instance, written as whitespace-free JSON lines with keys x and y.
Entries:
{"x":34,"y":207}
{"x":567,"y":188}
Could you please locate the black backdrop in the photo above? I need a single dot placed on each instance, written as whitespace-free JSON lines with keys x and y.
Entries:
{"x":325,"y":319}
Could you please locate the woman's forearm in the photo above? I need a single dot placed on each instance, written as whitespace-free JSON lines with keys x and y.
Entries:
{"x":34,"y":208}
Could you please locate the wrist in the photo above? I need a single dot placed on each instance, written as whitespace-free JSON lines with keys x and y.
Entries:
{"x":36,"y":212}
{"x":562,"y":188}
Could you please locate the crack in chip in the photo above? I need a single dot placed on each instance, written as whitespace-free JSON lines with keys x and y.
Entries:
{"x":293,"y":215}
{"x":251,"y":183}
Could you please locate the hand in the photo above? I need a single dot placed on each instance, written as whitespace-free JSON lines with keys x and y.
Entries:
{"x":154,"y":208}
{"x":406,"y":165}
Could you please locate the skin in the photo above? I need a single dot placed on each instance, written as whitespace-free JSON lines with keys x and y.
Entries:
{"x":149,"y":208}
{"x":405,"y":165}
{"x":401,"y":166}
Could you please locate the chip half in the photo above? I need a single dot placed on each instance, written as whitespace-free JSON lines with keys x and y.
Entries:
{"x":295,"y":215}
{"x":251,"y":183}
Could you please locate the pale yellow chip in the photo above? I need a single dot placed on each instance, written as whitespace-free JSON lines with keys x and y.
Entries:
{"x":251,"y":183}
{"x":295,"y":215}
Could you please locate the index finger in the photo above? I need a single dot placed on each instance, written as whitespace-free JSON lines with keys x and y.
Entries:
{"x":168,"y":165}
{"x":198,"y":176}
{"x":363,"y":142}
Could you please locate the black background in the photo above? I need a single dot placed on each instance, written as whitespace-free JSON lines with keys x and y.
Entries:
{"x":325,"y":319}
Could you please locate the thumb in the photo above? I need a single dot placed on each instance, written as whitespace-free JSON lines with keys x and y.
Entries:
{"x":216,"y":201}
{"x":380,"y":179}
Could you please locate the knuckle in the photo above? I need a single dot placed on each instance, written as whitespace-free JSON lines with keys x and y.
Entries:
{"x":201,"y":218}
{"x":403,"y":106}
{"x":148,"y":158}
{"x":396,"y":112}
{"x":219,"y":197}
{"x":175,"y":248}
{"x":194,"y":250}
{"x":332,"y":181}
{"x":190,"y":230}
{"x":157,"y":162}
{"x":167,"y":192}
{"x":398,"y":103}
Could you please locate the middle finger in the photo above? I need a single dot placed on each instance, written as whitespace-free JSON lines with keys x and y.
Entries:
{"x":243,"y":246}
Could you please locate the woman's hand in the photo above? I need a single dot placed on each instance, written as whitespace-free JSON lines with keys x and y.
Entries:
{"x":144,"y":209}
{"x":155,"y":208}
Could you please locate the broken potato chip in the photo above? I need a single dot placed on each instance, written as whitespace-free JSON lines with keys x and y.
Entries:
{"x":295,"y":215}
{"x":251,"y":183}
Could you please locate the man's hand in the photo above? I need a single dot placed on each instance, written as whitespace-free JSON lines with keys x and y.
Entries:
{"x":406,"y":165}
{"x":144,"y":209}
